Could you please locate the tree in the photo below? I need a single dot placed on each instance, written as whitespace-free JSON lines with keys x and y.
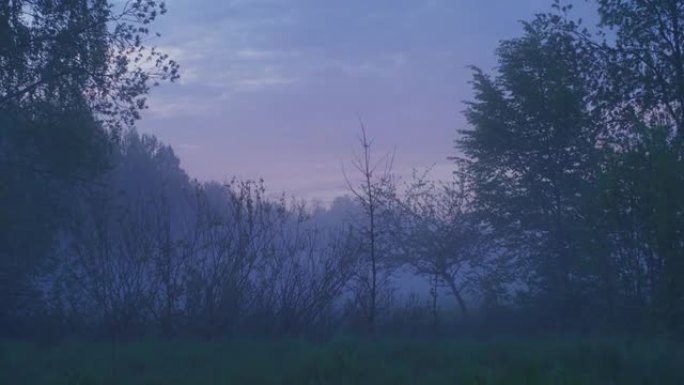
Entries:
{"x":641,"y":97}
{"x":374,"y":194}
{"x":646,"y":62}
{"x":120,"y":260}
{"x":642,"y":205}
{"x":72,"y":74}
{"x":80,"y":54}
{"x":575,"y":154}
{"x":441,"y":238}
{"x":530,"y":154}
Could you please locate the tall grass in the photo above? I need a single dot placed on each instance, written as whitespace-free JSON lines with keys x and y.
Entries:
{"x":347,"y":361}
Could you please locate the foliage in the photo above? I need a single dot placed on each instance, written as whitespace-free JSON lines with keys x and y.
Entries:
{"x":530,"y":156}
{"x":645,"y":70}
{"x":80,"y":54}
{"x":574,"y":153}
{"x":72,"y":73}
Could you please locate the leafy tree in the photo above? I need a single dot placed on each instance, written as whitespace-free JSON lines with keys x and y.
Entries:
{"x":72,"y":74}
{"x":575,"y":152}
{"x":80,"y":54}
{"x":642,"y":101}
{"x":530,"y":153}
{"x":646,"y":71}
{"x":642,"y":191}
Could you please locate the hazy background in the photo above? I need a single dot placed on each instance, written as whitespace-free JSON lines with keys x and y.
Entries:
{"x":273,"y":88}
{"x":556,"y":256}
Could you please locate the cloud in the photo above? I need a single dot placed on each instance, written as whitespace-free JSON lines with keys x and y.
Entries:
{"x":385,"y":65}
{"x":260,"y":46}
{"x":261,"y":54}
{"x":259,"y":83}
{"x":284,"y":79}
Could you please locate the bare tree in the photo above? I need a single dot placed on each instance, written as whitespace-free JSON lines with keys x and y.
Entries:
{"x":260,"y":265}
{"x":308,"y":274}
{"x":232,"y":240}
{"x":440,"y":239}
{"x":374,"y":194}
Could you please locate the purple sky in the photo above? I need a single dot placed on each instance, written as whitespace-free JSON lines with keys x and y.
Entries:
{"x":273,"y":88}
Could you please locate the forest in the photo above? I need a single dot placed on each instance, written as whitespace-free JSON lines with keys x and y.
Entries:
{"x":554,"y":254}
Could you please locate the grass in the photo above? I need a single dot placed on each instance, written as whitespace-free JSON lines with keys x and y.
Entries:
{"x":347,"y":361}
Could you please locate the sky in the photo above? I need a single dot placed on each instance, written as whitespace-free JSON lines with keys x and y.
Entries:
{"x":275,"y":89}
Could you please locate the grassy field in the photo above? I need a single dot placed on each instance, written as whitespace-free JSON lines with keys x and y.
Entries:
{"x":347,"y":361}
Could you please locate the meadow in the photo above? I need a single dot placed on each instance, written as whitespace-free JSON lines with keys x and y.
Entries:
{"x":557,"y":361}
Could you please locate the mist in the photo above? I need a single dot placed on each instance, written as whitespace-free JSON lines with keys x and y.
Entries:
{"x":303,"y":192}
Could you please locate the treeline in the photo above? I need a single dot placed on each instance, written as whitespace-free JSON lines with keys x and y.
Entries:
{"x":150,"y":252}
{"x":565,"y":213}
{"x":574,"y":158}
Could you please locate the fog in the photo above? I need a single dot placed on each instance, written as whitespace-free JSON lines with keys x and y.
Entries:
{"x":341,"y":175}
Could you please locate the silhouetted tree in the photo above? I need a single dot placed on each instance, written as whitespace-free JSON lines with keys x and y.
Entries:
{"x":642,"y":207}
{"x":642,"y":95}
{"x":437,"y":233}
{"x":69,"y":70}
{"x":645,"y":82}
{"x":530,"y":154}
{"x":374,"y":194}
